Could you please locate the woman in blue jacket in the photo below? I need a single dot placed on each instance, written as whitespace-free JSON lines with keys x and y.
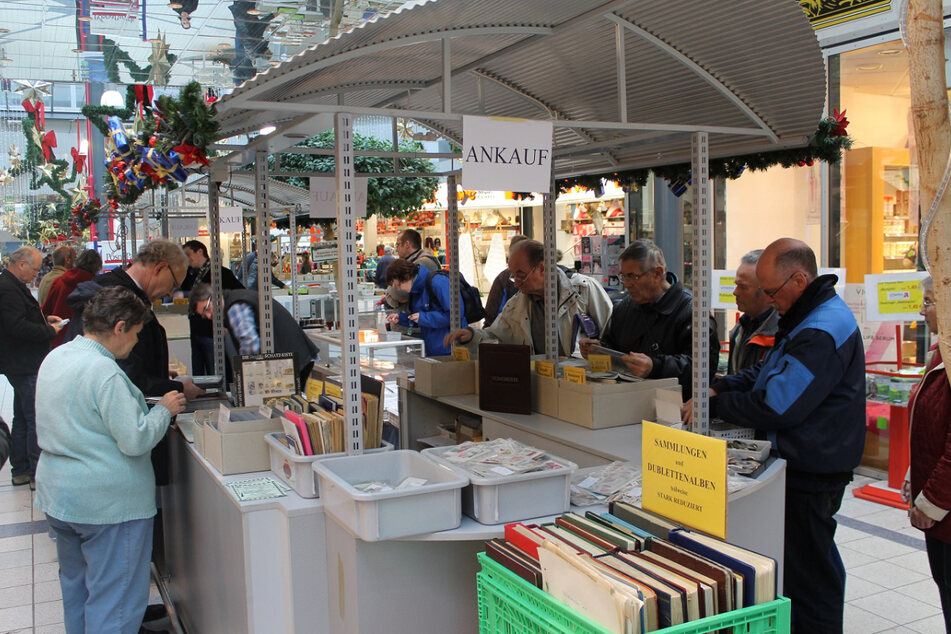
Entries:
{"x":430,"y":313}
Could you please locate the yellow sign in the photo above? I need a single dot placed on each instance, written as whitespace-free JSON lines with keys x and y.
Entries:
{"x":823,"y":13}
{"x":314,"y":389}
{"x":903,"y":296}
{"x":683,"y":477}
{"x":545,"y":368}
{"x":727,"y":282}
{"x":332,"y":389}
{"x":575,"y":374}
{"x":599,"y":362}
{"x":460,"y":353}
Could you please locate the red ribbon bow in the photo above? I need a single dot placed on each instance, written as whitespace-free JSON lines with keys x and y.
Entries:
{"x":39,"y":110}
{"x":190,"y":154}
{"x":79,"y":160}
{"x":49,"y":142}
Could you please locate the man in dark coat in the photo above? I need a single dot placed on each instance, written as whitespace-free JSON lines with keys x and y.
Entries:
{"x":25,"y":336}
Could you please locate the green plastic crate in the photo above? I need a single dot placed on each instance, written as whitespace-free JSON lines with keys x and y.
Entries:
{"x":510,"y":605}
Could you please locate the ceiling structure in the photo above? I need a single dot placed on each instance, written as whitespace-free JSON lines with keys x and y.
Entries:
{"x":749,"y":72}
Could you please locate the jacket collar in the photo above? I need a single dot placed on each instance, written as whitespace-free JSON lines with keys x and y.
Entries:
{"x":17,"y":281}
{"x":818,"y":292}
{"x":668,"y":302}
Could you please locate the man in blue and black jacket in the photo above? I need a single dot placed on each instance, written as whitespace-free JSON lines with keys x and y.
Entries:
{"x":808,"y":395}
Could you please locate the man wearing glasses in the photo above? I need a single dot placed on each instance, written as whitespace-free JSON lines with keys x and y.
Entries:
{"x":25,"y":336}
{"x":755,"y":332}
{"x":808,"y":395}
{"x":653,"y":324}
{"x":522,"y":320}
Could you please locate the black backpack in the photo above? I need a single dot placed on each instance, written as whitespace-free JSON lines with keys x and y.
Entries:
{"x":472,"y":307}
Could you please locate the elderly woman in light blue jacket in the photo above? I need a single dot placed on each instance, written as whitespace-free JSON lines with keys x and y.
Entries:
{"x":94,"y":479}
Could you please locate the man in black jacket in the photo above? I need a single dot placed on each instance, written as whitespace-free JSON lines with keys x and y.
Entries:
{"x":653,"y":324}
{"x":809,"y":396}
{"x":25,"y":336}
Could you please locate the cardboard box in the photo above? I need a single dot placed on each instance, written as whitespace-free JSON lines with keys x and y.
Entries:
{"x":441,"y":376}
{"x":601,"y":405}
{"x":545,"y":395}
{"x":238,"y":446}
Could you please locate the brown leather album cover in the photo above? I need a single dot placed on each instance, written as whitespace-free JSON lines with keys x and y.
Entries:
{"x":505,"y":382}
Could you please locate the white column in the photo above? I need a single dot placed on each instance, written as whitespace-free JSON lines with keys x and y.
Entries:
{"x":452,"y":251}
{"x":551,"y":273}
{"x":214,"y":253}
{"x":292,"y":227}
{"x":702,"y":252}
{"x":263,"y":220}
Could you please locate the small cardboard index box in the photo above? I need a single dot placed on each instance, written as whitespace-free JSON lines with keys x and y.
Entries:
{"x":237,"y":446}
{"x":600,"y":405}
{"x":442,"y":376}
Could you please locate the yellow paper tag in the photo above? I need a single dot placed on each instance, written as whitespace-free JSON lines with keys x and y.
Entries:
{"x":314,"y":389}
{"x":545,"y":368}
{"x":599,"y":362}
{"x":460,"y":353}
{"x":575,"y":374}
{"x":332,"y":389}
{"x":684,"y":477}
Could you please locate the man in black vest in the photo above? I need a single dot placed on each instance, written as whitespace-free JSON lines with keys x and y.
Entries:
{"x":241,"y":323}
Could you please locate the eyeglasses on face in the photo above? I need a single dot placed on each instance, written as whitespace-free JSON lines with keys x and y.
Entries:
{"x":174,"y":279}
{"x":633,"y":277}
{"x":520,"y":276}
{"x":927,"y":303}
{"x":772,"y":293}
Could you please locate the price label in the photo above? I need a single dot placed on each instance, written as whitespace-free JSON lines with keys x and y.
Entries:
{"x":545,"y":368}
{"x":265,"y":411}
{"x":575,"y":374}
{"x":599,"y":362}
{"x":460,"y":353}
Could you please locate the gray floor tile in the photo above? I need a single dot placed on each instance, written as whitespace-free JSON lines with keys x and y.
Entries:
{"x":856,"y":588}
{"x":855,"y":507}
{"x":16,"y":596}
{"x":16,"y":558}
{"x":45,"y":554}
{"x":887,"y":574}
{"x":853,"y":558}
{"x":8,"y":544}
{"x":930,"y":625}
{"x":925,"y":590}
{"x":897,"y":630}
{"x":16,"y":618}
{"x":879,"y":547}
{"x":21,"y":575}
{"x":896,"y":607}
{"x":859,"y":621}
{"x":846,"y":534}
{"x":917,"y":561}
{"x":55,"y":628}
{"x":48,"y":591}
{"x":15,"y":517}
{"x":890,"y":518}
{"x":49,"y":612}
{"x":49,"y":572}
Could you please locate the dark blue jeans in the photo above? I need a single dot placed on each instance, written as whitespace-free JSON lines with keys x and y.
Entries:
{"x":203,"y":355}
{"x":24,"y":451}
{"x":814,"y":576}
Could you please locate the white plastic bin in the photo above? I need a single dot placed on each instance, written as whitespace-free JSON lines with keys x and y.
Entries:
{"x":434,"y":506}
{"x":296,"y":470}
{"x":512,"y":498}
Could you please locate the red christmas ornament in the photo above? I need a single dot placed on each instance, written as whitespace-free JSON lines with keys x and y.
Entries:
{"x":840,"y":121}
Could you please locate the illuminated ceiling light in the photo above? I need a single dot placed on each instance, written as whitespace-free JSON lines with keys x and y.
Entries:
{"x":84,"y":18}
{"x":4,"y":30}
{"x":870,"y":67}
{"x":254,"y":12}
{"x":3,"y":57}
{"x":77,"y":50}
{"x":174,"y":5}
{"x":890,"y":51}
{"x":266,"y":130}
{"x":112,"y":98}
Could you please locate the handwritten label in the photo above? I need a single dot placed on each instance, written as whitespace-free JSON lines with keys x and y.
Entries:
{"x":460,"y":353}
{"x":545,"y":368}
{"x":599,"y":362}
{"x":265,"y":411}
{"x":575,"y":375}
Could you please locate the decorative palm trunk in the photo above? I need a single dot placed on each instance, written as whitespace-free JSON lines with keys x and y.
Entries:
{"x":929,"y":105}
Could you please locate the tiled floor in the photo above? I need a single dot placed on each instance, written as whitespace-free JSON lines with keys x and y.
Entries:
{"x":889,"y":586}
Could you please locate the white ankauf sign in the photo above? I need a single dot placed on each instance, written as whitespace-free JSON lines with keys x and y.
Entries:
{"x":230,"y":220}
{"x":323,"y":197}
{"x":502,"y":154}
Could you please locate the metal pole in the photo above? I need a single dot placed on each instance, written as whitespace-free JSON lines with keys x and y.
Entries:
{"x":262,"y":207}
{"x":292,"y":224}
{"x":452,"y":252}
{"x":551,"y":275}
{"x":163,"y":212}
{"x":702,"y":263}
{"x":347,"y":291}
{"x":132,"y":232}
{"x":217,"y":315}
{"x":122,"y":238}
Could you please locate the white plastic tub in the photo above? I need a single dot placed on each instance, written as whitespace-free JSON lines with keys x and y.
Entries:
{"x":511,"y":498}
{"x":434,"y":506}
{"x":296,"y":470}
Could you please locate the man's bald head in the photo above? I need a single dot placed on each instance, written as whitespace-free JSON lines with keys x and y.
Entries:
{"x":789,"y":255}
{"x":784,"y":271}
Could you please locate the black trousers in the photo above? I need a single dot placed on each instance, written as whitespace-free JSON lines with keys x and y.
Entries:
{"x":939,"y":557}
{"x":814,"y":578}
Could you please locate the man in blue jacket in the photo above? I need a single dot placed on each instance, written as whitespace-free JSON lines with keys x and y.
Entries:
{"x":808,"y":395}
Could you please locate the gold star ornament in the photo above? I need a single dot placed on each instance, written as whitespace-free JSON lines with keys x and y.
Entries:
{"x":48,"y":170}
{"x":158,"y":75}
{"x":15,"y":157}
{"x":78,"y":194}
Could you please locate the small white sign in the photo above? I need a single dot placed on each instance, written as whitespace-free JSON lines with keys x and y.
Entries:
{"x":502,"y":154}
{"x":722,"y":284}
{"x":893,"y":296}
{"x":230,"y":219}
{"x":182,"y":227}
{"x":323,"y":197}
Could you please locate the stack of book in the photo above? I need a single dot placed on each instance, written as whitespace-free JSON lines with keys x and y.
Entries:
{"x":632,"y":571}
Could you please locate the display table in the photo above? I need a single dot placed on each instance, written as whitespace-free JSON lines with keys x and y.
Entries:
{"x":400,"y":352}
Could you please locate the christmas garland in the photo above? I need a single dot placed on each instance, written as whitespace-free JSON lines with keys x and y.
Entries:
{"x":825,"y":145}
{"x":113,"y":56}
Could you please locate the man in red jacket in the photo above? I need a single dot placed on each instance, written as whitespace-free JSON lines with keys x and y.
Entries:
{"x":87,"y":267}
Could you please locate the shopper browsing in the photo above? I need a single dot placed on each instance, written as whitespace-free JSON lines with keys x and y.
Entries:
{"x":522,"y":321}
{"x":94,"y":479}
{"x":928,"y":483}
{"x":87,"y":267}
{"x":428,"y":306}
{"x":63,"y":260}
{"x":809,"y":396}
{"x":503,"y":288}
{"x":653,"y":325}
{"x":25,"y":336}
{"x":754,"y":334}
{"x":409,"y":247}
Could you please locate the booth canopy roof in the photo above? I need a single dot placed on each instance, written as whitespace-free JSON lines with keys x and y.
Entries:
{"x":238,"y":190}
{"x":748,"y":71}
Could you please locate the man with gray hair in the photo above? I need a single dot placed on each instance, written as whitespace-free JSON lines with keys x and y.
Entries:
{"x":63,"y":259}
{"x":25,"y":336}
{"x":653,"y":325}
{"x":754,"y":334}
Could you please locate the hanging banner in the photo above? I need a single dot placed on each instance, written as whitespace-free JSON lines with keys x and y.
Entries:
{"x":115,"y":18}
{"x":182,"y":227}
{"x":231,"y":220}
{"x":893,"y":296}
{"x":503,"y":154}
{"x":323,"y":197}
{"x":683,"y":477}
